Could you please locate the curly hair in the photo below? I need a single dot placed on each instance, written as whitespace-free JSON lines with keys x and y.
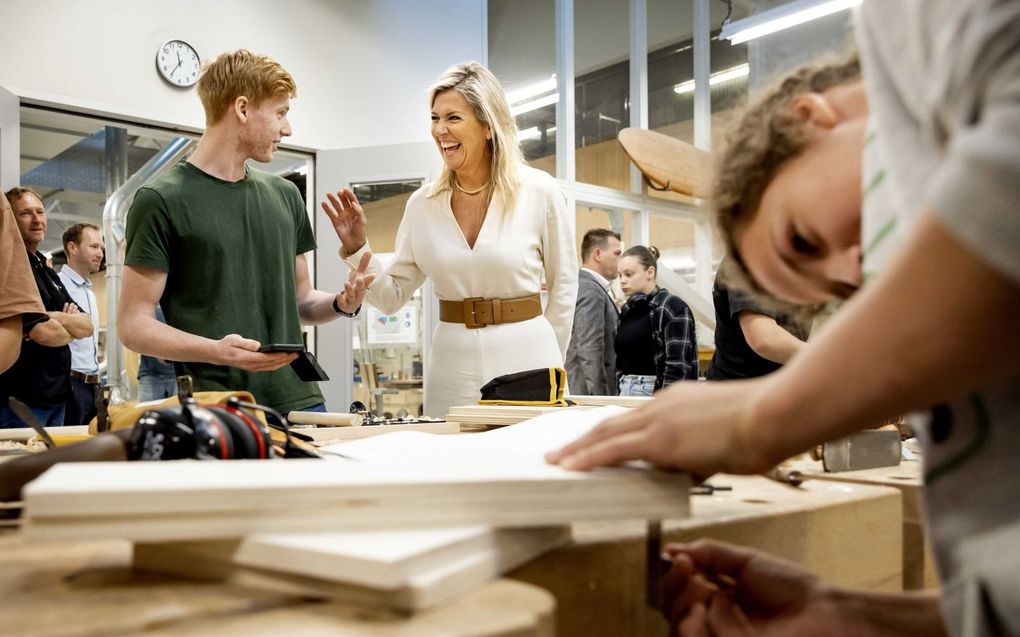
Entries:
{"x":767,"y":135}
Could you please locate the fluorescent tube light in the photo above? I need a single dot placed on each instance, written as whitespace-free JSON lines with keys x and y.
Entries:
{"x":533,"y":133}
{"x":782,"y":17}
{"x":532,"y":90}
{"x":527,"y":107}
{"x":719,"y":77}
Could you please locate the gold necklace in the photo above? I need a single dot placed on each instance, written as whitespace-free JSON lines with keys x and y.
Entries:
{"x":470,"y":192}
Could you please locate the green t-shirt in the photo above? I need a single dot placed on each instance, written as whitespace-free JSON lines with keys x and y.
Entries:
{"x":228,"y":249}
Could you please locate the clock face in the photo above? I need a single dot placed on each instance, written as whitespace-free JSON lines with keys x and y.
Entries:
{"x":178,"y":63}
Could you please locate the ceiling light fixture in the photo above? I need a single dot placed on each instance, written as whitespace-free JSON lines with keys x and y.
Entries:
{"x":782,"y":17}
{"x":532,"y":90}
{"x":535,"y":104}
{"x":727,"y":75}
{"x":533,"y":133}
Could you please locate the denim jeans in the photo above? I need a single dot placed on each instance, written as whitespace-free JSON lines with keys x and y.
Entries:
{"x":635,"y":385}
{"x":156,"y":388}
{"x":320,"y":407}
{"x":47,"y":415}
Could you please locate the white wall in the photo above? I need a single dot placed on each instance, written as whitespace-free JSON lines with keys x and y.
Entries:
{"x":361,"y":66}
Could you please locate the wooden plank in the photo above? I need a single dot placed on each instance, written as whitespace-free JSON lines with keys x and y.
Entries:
{"x":25,"y":433}
{"x":330,"y":419}
{"x":329,"y":435}
{"x":81,"y":589}
{"x":403,"y":571}
{"x":667,"y":162}
{"x":498,"y":478}
{"x":600,"y":401}
{"x":847,"y":533}
{"x":500,"y":415}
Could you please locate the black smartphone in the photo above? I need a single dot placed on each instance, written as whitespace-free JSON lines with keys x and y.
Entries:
{"x":282,"y":347}
{"x":307,"y":368}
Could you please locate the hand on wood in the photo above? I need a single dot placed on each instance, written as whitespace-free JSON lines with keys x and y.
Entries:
{"x":348,"y":219}
{"x":695,"y":427}
{"x":355,"y":286}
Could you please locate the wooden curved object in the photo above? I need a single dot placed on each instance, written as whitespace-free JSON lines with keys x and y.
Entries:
{"x":668,"y":163}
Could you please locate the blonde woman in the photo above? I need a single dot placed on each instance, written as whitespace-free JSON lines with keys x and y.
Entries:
{"x":487,"y":232}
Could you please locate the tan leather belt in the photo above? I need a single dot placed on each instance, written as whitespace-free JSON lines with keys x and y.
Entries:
{"x":477,"y":312}
{"x":91,"y":379}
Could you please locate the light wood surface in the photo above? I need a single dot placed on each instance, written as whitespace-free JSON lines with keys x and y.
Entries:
{"x":599,"y":401}
{"x":500,"y":415}
{"x":848,"y":533}
{"x":25,"y":433}
{"x":82,"y":589}
{"x":398,"y":481}
{"x":330,"y":435}
{"x":667,"y":162}
{"x":403,"y":571}
{"x":332,"y":419}
{"x":919,"y":569}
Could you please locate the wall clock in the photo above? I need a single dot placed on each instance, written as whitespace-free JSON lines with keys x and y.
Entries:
{"x":178,"y":63}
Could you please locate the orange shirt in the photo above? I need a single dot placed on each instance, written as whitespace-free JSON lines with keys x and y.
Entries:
{"x":18,"y":292}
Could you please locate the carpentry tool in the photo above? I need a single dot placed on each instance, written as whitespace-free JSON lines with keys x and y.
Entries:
{"x":23,"y":412}
{"x":785,"y":475}
{"x":657,"y":564}
{"x":866,"y":449}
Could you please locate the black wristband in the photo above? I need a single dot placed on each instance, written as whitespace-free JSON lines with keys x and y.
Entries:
{"x":336,"y":307}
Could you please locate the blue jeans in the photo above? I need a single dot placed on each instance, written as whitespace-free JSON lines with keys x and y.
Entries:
{"x":156,"y":388}
{"x":636,"y":385}
{"x":321,"y":408}
{"x":48,"y":416}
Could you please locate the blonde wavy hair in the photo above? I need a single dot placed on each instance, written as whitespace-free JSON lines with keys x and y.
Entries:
{"x":768,"y":134}
{"x":241,"y":72}
{"x":480,"y":88}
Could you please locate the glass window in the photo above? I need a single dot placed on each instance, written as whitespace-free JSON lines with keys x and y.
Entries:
{"x":522,"y":54}
{"x":671,"y":67}
{"x":388,"y":347}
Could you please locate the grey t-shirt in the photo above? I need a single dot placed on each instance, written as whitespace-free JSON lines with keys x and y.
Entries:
{"x":943,"y":79}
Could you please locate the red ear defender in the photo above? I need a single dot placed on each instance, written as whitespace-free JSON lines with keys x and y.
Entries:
{"x":211,"y":432}
{"x":251,"y":441}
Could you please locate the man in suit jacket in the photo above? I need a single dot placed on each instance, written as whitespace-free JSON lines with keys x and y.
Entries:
{"x":591,"y":360}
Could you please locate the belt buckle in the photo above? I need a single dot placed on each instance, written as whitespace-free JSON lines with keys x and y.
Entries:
{"x":469,"y":313}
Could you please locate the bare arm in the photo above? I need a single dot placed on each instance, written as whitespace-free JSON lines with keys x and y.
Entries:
{"x":140,"y":331}
{"x":315,"y":306}
{"x":767,"y":338}
{"x":914,"y":337}
{"x":77,"y":323}
{"x":10,"y":341}
{"x":50,"y":333}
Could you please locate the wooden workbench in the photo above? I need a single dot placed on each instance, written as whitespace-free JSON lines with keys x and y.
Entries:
{"x":848,"y":533}
{"x":918,"y":563}
{"x":79,"y":589}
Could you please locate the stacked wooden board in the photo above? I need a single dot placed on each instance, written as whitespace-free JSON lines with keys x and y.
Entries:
{"x":397,"y":570}
{"x":602,"y":401}
{"x":498,"y":415}
{"x":252,"y":521}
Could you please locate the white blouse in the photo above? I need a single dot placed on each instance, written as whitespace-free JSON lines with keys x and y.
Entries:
{"x":512,"y":253}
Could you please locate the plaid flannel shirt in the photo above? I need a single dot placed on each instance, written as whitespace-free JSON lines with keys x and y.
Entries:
{"x":676,"y":341}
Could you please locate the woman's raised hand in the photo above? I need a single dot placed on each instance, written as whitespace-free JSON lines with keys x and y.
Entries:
{"x":348,"y":219}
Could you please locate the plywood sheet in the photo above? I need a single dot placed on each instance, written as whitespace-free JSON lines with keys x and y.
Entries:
{"x":404,"y":571}
{"x":498,"y":479}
